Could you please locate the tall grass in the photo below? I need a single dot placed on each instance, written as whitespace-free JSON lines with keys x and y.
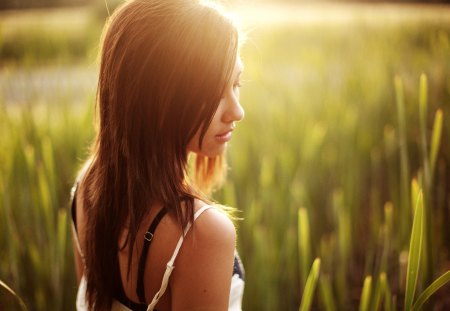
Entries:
{"x":329,"y":140}
{"x":325,"y":130}
{"x":41,"y":145}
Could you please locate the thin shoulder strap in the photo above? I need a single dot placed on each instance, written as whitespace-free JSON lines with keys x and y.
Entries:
{"x":73,"y":212}
{"x":148,"y":237}
{"x":73,"y":207}
{"x":170,"y":266}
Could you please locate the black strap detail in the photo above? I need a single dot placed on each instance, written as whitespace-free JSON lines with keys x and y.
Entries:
{"x":148,"y":237}
{"x":130,"y":304}
{"x":238,"y":268}
{"x":74,"y":205}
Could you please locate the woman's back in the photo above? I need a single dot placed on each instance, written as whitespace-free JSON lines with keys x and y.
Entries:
{"x":209,"y":244}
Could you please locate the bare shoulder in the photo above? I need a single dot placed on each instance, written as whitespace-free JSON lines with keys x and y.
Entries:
{"x":212,"y":226}
{"x":212,"y":236}
{"x":204,"y":266}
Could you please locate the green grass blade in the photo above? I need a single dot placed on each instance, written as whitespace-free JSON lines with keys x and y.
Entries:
{"x":430,"y":290}
{"x":388,"y":225}
{"x":423,"y":107}
{"x":423,"y":99}
{"x":415,"y":190}
{"x":8,"y":289}
{"x":326,"y":293}
{"x":379,"y":293}
{"x":415,"y":250}
{"x":388,"y":304}
{"x":388,"y":210}
{"x":435,"y":139}
{"x":365,"y":294}
{"x":404,"y":160}
{"x":310,"y":286}
{"x":304,"y":243}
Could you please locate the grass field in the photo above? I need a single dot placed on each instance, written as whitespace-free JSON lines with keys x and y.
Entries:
{"x":340,"y":134}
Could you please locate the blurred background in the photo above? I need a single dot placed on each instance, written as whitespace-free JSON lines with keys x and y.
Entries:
{"x":347,"y":117}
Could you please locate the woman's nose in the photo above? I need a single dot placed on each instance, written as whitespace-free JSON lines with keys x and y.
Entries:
{"x":234,"y":110}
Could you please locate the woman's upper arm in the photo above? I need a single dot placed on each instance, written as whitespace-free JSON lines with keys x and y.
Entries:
{"x":203,"y":269}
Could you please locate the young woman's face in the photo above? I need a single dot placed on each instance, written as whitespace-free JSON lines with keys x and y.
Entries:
{"x":228,"y":112}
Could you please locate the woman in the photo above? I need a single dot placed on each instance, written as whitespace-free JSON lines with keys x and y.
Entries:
{"x":167,"y":92}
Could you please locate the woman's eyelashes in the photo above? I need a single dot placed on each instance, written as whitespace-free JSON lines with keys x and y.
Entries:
{"x":237,"y":84}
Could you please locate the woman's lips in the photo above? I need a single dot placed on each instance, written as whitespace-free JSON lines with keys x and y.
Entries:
{"x":224,"y":137}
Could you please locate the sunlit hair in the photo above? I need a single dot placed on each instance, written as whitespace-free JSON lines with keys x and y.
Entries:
{"x":164,"y":65}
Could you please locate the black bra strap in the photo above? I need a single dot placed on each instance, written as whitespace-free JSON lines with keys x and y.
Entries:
{"x":73,"y":204}
{"x":147,"y":241}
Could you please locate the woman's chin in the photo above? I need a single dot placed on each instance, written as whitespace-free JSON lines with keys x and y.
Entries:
{"x":213,"y":152}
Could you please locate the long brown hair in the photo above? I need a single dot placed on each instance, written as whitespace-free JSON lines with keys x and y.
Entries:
{"x":164,"y":65}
